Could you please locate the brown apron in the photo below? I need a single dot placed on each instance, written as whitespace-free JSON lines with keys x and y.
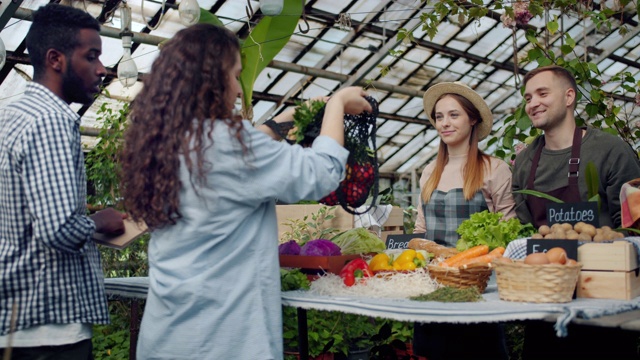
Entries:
{"x":570,"y":193}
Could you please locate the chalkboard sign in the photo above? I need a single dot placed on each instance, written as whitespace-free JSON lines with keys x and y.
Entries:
{"x":573,"y":213}
{"x":400,"y":241}
{"x":542,"y":245}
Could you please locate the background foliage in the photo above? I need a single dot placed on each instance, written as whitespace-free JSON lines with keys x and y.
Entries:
{"x":600,"y":108}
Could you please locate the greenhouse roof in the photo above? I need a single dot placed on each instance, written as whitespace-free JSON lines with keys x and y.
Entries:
{"x":355,"y":42}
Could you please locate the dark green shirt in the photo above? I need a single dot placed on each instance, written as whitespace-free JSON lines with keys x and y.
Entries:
{"x":614,"y":159}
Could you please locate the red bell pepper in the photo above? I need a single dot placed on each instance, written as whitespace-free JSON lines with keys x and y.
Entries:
{"x":355,"y":269}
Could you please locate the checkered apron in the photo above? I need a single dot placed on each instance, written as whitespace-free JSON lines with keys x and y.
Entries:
{"x":446,"y":210}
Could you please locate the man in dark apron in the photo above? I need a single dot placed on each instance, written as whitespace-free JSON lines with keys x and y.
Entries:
{"x":555,"y":164}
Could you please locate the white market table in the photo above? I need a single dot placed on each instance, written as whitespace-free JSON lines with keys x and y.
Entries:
{"x":594,"y":312}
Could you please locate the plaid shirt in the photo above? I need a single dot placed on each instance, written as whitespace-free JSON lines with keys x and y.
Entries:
{"x":48,"y":266}
{"x":447,"y":210}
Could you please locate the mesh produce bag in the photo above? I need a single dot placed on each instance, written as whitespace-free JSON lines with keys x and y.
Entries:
{"x":362,"y":165}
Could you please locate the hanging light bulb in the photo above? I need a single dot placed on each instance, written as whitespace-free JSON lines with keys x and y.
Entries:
{"x":3,"y":54}
{"x":271,"y":7}
{"x":189,"y":12}
{"x":127,"y":69}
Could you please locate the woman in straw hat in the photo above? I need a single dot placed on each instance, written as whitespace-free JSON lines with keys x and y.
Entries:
{"x":461,"y":181}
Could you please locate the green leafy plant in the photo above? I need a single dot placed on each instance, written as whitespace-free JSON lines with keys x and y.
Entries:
{"x":263,"y":44}
{"x":293,"y":279}
{"x":102,"y":161}
{"x":112,"y":340}
{"x":389,"y":342}
{"x":330,"y":331}
{"x":310,"y":226}
{"x":304,"y":116}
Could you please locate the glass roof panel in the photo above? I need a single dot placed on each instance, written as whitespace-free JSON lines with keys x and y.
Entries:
{"x":476,"y":52}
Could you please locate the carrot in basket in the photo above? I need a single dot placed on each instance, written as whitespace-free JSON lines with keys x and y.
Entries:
{"x":481,"y":260}
{"x":475,"y":251}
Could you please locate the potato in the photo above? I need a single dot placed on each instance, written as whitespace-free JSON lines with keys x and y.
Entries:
{"x":537,"y":236}
{"x":579,"y":226}
{"x":584,"y":237}
{"x":544,"y":230}
{"x":599,"y":237}
{"x":566,"y":226}
{"x":589,"y":229}
{"x":559,"y":234}
{"x":606,"y":228}
{"x":572,"y":235}
{"x":618,"y":235}
{"x":555,"y":227}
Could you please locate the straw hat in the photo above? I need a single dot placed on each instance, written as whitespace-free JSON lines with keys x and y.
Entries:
{"x":434,"y":93}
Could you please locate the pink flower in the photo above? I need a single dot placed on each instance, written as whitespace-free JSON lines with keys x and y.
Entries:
{"x":638,"y":99}
{"x":521,"y":11}
{"x":519,"y":147}
{"x":521,"y":15}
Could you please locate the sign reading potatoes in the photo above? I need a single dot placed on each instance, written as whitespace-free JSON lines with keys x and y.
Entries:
{"x":573,"y":213}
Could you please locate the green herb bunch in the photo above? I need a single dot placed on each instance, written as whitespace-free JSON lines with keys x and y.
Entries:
{"x":451,"y":294}
{"x":304,"y":116}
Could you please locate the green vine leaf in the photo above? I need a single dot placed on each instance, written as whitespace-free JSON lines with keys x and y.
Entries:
{"x":540,"y":195}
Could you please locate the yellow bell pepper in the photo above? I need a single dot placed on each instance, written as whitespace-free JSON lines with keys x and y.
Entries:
{"x":380,"y":262}
{"x":408,"y":260}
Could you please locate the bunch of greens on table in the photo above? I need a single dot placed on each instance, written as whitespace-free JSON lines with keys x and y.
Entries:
{"x":485,"y":228}
{"x":293,"y":279}
{"x":451,"y":294}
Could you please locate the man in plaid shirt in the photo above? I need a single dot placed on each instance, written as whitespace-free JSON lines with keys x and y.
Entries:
{"x":51,"y":281}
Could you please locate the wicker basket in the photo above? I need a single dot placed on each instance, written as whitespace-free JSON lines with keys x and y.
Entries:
{"x":550,"y":283}
{"x":461,"y":278}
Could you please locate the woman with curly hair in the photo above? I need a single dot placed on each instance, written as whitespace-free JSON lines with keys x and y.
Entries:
{"x":205,"y":182}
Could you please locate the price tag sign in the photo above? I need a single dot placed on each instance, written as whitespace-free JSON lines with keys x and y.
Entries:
{"x":573,"y":213}
{"x":400,"y":241}
{"x":543,"y":245}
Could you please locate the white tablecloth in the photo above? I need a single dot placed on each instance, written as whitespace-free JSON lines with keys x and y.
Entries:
{"x":492,"y":309}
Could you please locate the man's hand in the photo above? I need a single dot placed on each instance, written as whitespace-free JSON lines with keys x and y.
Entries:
{"x":109,"y":221}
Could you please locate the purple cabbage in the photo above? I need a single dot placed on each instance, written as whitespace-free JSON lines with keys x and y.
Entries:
{"x":291,"y":247}
{"x":320,"y":247}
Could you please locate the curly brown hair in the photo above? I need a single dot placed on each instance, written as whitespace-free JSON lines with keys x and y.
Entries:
{"x":182,"y":98}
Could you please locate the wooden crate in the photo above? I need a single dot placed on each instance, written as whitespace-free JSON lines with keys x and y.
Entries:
{"x":342,"y":221}
{"x":615,"y":256}
{"x":609,"y":271}
{"x":395,"y":222}
{"x":623,"y":285}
